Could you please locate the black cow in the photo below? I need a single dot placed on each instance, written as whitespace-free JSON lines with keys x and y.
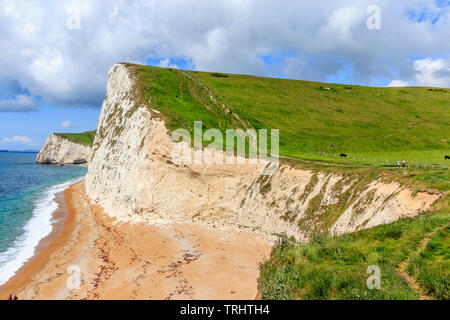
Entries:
{"x":447,"y":157}
{"x":344,"y":155}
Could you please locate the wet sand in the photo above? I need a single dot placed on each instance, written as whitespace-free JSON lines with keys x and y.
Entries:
{"x":124,"y":261}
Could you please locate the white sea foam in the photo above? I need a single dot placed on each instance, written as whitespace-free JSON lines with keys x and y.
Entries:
{"x":38,"y":227}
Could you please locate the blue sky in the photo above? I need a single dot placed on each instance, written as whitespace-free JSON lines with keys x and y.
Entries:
{"x":38,"y":124}
{"x":55,"y":54}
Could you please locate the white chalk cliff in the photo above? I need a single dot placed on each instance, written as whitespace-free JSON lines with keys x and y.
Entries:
{"x":132,"y":176}
{"x":59,"y":150}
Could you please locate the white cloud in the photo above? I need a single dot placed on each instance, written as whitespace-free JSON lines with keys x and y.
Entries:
{"x":66,"y":124}
{"x":68,"y":67}
{"x":18,"y":140}
{"x":19,"y":103}
{"x":398,"y":83}
{"x":433,"y":72}
{"x":165,"y":63}
{"x":340,"y":26}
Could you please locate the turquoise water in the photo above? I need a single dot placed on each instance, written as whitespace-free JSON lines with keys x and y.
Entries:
{"x":26,"y":204}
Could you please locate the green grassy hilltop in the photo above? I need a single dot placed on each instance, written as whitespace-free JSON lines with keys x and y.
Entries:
{"x":86,"y":138}
{"x":318,"y":121}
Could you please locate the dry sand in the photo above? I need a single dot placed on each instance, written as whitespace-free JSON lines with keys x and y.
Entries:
{"x":124,"y":261}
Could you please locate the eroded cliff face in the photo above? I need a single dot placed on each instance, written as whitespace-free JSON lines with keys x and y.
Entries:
{"x":59,"y":150}
{"x":132,"y":176}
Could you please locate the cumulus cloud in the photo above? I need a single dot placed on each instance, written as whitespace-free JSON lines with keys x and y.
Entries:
{"x":66,"y":124}
{"x":20,"y":103}
{"x":68,"y":66}
{"x":433,"y":72}
{"x":18,"y":140}
{"x":165,"y":63}
{"x":398,"y":83}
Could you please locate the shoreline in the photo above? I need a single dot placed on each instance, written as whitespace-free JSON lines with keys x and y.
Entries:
{"x":42,"y":250}
{"x":119,"y":261}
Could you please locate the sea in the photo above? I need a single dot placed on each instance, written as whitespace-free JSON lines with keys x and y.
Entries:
{"x":27,"y":193}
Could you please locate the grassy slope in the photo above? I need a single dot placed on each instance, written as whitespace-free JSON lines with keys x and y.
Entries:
{"x":86,"y":138}
{"x":432,"y":266}
{"x":336,"y":268}
{"x":372,"y":125}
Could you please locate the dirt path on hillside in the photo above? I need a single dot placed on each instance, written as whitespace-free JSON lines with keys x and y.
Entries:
{"x":124,"y":261}
{"x":323,"y":163}
{"x":412,"y":282}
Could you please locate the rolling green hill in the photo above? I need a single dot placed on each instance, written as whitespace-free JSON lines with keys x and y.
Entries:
{"x":86,"y":138}
{"x":316,"y":121}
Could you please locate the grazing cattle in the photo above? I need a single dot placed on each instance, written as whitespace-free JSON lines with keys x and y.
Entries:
{"x":447,"y":157}
{"x":344,"y":155}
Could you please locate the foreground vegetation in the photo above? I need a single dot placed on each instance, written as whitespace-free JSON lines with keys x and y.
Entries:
{"x":336,"y":267}
{"x":431,"y":267}
{"x":374,"y":126}
{"x":86,"y":138}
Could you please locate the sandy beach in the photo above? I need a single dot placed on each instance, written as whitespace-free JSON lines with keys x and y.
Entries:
{"x":124,"y":261}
